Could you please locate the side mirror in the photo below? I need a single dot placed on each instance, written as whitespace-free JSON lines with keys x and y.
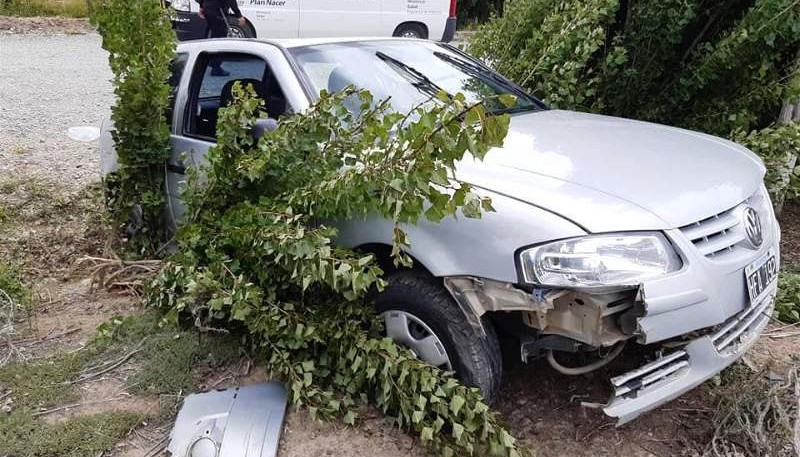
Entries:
{"x":263,"y":125}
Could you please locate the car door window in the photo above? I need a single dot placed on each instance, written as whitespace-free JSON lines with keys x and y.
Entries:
{"x":176,"y":72}
{"x":212,"y":85}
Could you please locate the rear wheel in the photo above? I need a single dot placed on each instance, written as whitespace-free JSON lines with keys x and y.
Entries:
{"x":411,"y":30}
{"x":420,"y":314}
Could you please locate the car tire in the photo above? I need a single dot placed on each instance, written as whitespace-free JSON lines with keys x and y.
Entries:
{"x":237,"y":31}
{"x":424,"y":303}
{"x":411,"y":30}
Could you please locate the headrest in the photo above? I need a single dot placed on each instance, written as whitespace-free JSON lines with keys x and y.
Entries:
{"x":226,"y":96}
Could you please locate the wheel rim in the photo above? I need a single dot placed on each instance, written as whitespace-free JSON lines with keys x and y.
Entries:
{"x":236,"y":32}
{"x":410,"y":34}
{"x":408,"y":330}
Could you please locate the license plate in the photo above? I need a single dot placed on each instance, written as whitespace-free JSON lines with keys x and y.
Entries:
{"x":759,"y":275}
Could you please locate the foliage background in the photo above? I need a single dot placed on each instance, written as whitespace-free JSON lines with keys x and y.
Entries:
{"x":724,"y":67}
{"x":787,"y":306}
{"x":477,"y":11}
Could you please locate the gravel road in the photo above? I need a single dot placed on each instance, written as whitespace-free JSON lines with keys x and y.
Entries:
{"x":49,"y":83}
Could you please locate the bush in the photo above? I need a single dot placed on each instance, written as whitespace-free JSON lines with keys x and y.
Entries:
{"x":256,"y":253}
{"x":779,"y":147}
{"x":787,"y":303}
{"x":722,"y":67}
{"x":141,"y":43}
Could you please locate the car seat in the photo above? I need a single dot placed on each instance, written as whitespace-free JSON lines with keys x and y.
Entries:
{"x":338,"y":80}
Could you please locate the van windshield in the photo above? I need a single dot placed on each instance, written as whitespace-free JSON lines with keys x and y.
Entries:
{"x":407,"y":73}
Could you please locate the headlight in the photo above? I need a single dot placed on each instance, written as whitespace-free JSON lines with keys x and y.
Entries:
{"x":182,"y":5}
{"x":600,"y":260}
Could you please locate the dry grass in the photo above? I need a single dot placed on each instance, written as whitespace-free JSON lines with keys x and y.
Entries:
{"x":66,"y":8}
{"x":757,"y":414}
{"x":116,"y":274}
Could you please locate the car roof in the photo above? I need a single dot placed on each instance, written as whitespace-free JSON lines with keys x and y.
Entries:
{"x":289,"y":43}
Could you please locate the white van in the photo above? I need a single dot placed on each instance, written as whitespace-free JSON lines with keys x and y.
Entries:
{"x":434,"y":19}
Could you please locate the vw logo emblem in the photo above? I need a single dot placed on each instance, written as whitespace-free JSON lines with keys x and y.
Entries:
{"x":752,"y":227}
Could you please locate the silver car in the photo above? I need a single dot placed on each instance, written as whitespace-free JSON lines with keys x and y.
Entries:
{"x":607,"y":232}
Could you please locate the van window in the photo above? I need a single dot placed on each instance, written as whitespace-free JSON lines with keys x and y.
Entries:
{"x":212,"y":89}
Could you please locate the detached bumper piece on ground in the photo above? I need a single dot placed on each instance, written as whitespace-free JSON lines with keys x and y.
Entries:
{"x":238,"y":422}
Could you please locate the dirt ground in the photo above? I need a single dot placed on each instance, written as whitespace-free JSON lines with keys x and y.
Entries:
{"x":541,"y":407}
{"x":43,"y":25}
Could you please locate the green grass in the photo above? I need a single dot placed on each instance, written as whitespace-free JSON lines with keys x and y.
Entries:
{"x":43,"y":382}
{"x":66,"y":8}
{"x":169,"y":361}
{"x":168,"y":356}
{"x":11,"y":283}
{"x":23,"y":436}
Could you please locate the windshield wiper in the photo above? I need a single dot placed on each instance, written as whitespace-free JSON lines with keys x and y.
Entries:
{"x":480,"y":73}
{"x":420,"y":81}
{"x":465,"y":65}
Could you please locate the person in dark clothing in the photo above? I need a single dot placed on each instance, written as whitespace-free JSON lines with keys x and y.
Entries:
{"x":213,"y":11}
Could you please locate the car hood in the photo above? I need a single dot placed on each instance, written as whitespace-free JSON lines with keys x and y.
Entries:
{"x":609,"y":174}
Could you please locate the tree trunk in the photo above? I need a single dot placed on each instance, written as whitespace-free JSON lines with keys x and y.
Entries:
{"x":789,"y":113}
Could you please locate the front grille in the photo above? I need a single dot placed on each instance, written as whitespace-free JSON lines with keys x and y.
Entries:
{"x":717,"y":235}
{"x":723,"y":234}
{"x":739,"y":329}
{"x":662,"y":369}
{"x":727,"y":339}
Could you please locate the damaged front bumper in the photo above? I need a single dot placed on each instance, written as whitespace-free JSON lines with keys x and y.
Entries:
{"x":702,"y":317}
{"x":675,"y":373}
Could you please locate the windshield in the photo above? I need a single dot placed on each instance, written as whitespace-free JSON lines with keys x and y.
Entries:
{"x":406,"y":73}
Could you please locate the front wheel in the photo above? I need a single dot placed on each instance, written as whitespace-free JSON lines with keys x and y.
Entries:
{"x":420,"y":314}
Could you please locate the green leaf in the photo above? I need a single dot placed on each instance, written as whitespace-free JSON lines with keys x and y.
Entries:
{"x":458,"y":430}
{"x":507,"y":439}
{"x":456,"y":402}
{"x":422,"y":401}
{"x":508,"y":100}
{"x":426,"y":434}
